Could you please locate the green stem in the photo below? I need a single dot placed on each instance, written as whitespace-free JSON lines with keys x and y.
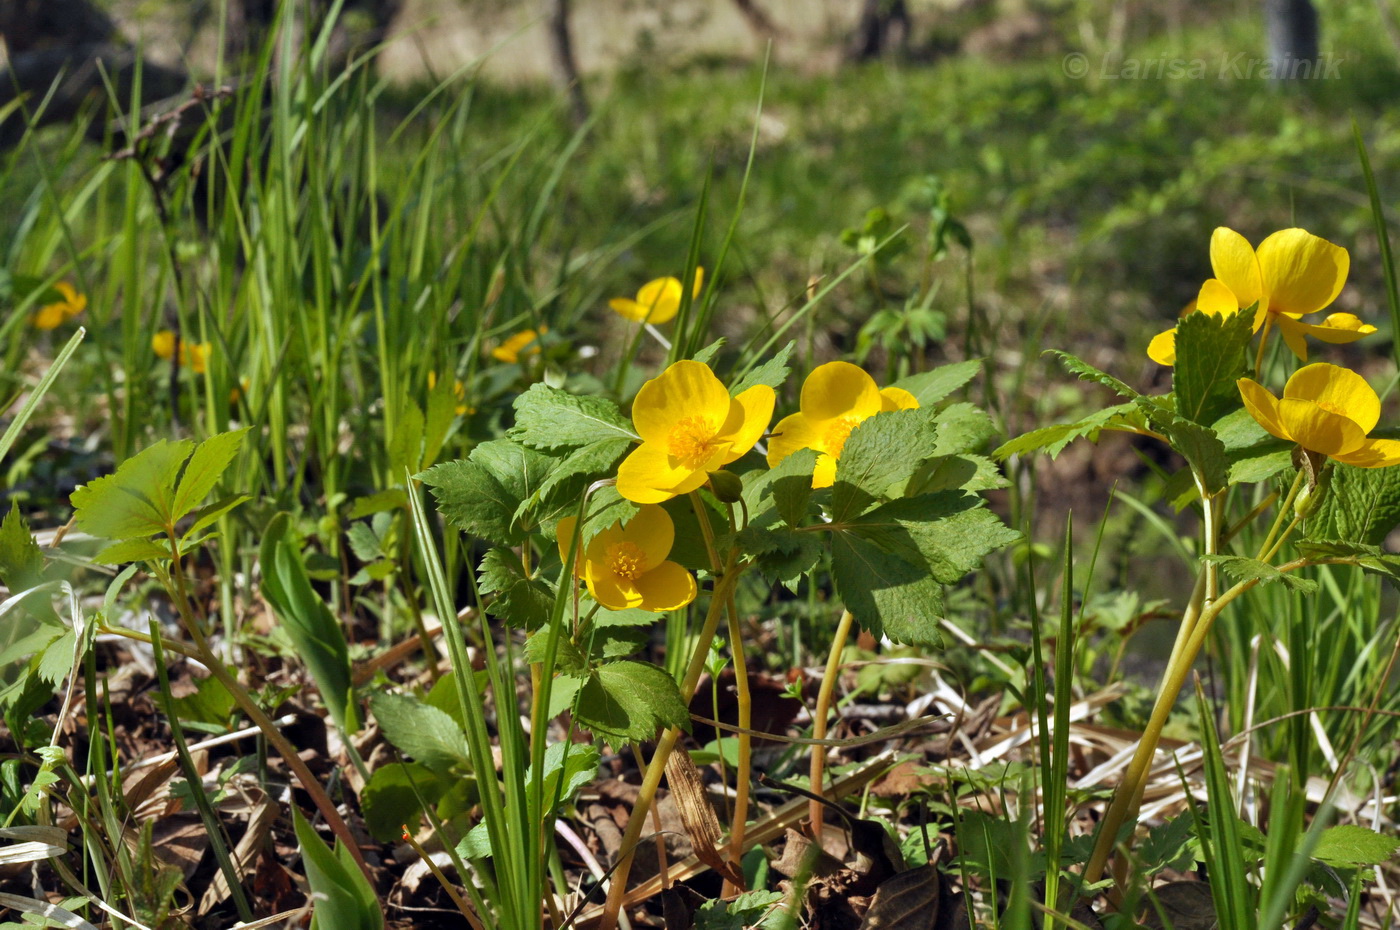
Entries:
{"x":828,"y":685}
{"x":1284,"y":509}
{"x":651,"y":781}
{"x":1129,"y":793}
{"x":206,"y":655}
{"x":1263,"y":339}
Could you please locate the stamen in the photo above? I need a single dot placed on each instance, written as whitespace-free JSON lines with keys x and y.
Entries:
{"x":692,"y":440}
{"x":627,"y":560}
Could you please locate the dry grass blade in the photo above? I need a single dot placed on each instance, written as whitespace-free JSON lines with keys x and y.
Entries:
{"x":262,"y":814}
{"x":37,"y":842}
{"x":701,"y":824}
{"x":50,"y":912}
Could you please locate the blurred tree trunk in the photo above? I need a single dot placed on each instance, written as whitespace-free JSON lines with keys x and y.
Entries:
{"x":562,"y":61}
{"x":759,"y":22}
{"x":1292,"y":32}
{"x":882,"y":24}
{"x":65,"y":46}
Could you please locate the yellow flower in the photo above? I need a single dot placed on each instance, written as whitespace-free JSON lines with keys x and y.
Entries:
{"x":1324,"y":409}
{"x":690,"y":426}
{"x":194,"y":356}
{"x":626,"y":566}
{"x":657,"y":301}
{"x":459,"y":391}
{"x":1293,"y":273}
{"x":836,"y":398}
{"x":51,"y":316}
{"x":524,"y":342}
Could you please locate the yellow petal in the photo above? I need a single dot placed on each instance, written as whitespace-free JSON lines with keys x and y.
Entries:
{"x":163,"y":343}
{"x":1233,"y":260}
{"x":839,"y":389}
{"x":647,"y":475}
{"x":824,"y":475}
{"x":686,"y":389}
{"x":629,"y":308}
{"x":1162,"y":348}
{"x":1317,"y":429}
{"x":668,"y":586}
{"x":793,"y":432}
{"x":749,"y":415}
{"x":893,"y":398}
{"x":1301,"y":272}
{"x":1373,"y":453}
{"x":659,"y":300}
{"x":1339,"y":390}
{"x":651,"y":531}
{"x":1263,"y":406}
{"x":1292,"y":332}
{"x":1216,"y":298}
{"x":699,"y":281}
{"x":1339,"y":328}
{"x":564,"y":535}
{"x":613,"y":592}
{"x":49,"y":316}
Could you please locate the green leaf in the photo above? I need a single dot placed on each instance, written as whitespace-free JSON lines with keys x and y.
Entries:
{"x":1211,"y":352}
{"x":795,"y":472}
{"x":211,"y":702}
{"x":483,"y":494}
{"x":772,"y":372}
{"x":962,"y":428}
{"x":521,"y":602}
{"x":567,"y":658}
{"x":389,"y":799}
{"x":379,"y":502}
{"x":930,"y":387}
{"x":136,"y":501}
{"x":956,"y":472}
{"x":1361,"y":505}
{"x":1086,"y":372}
{"x":548,"y":418}
{"x":344,"y":898}
{"x":21,"y":562}
{"x":886,"y":594}
{"x":406,"y":445}
{"x":567,"y":768}
{"x":207,"y":515}
{"x":132,"y":550}
{"x":1053,"y":439}
{"x":56,"y":662}
{"x":882,"y":452}
{"x":210,"y":460}
{"x":307,"y":620}
{"x":363,"y":542}
{"x":707,"y":354}
{"x":421,"y":731}
{"x":751,"y":909}
{"x":629,"y":701}
{"x":1197,"y":444}
{"x":779,"y":552}
{"x":1349,"y":846}
{"x":1243,"y":569}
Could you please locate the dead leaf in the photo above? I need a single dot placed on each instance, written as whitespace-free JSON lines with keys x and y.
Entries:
{"x":701,"y":824}
{"x":1181,"y":906}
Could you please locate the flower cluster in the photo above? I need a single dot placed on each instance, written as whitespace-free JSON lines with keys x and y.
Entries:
{"x":54,"y":315}
{"x":194,"y":356}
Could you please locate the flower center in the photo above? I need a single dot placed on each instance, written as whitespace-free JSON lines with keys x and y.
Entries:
{"x":627,"y":560}
{"x":692,"y":440}
{"x":837,"y":434}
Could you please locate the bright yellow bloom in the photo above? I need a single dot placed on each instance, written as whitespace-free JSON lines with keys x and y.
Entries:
{"x":51,"y":316}
{"x":525,"y":342}
{"x":690,"y":426}
{"x":194,"y":356}
{"x":459,"y":391}
{"x":1293,"y":273}
{"x":657,"y":301}
{"x":625,"y":566}
{"x":836,"y":398}
{"x":1324,"y":409}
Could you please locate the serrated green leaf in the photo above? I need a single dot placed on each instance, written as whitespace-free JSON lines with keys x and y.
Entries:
{"x":307,"y":620}
{"x":567,"y":658}
{"x":1361,"y":505}
{"x":379,"y":502}
{"x":930,"y":387}
{"x":136,"y":500}
{"x":956,"y":472}
{"x":791,"y":486}
{"x":548,"y":418}
{"x":1197,"y":444}
{"x":948,"y":531}
{"x":421,"y":731}
{"x":568,"y":767}
{"x":389,"y":799}
{"x":21,"y":561}
{"x":962,"y":428}
{"x":56,"y":661}
{"x":558,"y":494}
{"x":1211,"y":353}
{"x":132,"y":550}
{"x":1086,"y":372}
{"x":881,"y":453}
{"x":759,"y":483}
{"x":1350,"y":846}
{"x":772,"y":372}
{"x":471,"y":499}
{"x":629,"y":701}
{"x":886,"y":594}
{"x":707,"y":354}
{"x":211,"y":703}
{"x":210,"y":460}
{"x":1053,"y":439}
{"x":1243,"y":569}
{"x":406,"y":445}
{"x":207,"y":515}
{"x":363,"y":542}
